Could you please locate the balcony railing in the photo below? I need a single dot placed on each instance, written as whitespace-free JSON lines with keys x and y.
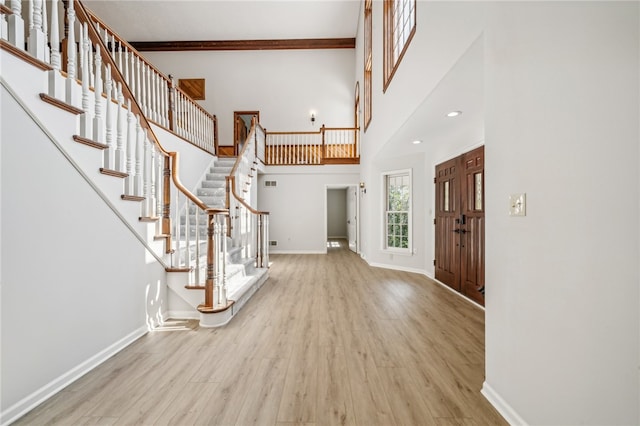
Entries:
{"x":329,"y":145}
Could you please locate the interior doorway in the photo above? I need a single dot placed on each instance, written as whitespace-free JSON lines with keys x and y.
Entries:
{"x":459,"y":225}
{"x":241,"y":128}
{"x":342,"y":216}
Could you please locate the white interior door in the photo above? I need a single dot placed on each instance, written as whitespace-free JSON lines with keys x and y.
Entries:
{"x":352,"y":218}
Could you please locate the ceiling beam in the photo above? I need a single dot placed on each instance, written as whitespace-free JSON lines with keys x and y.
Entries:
{"x":283,"y":44}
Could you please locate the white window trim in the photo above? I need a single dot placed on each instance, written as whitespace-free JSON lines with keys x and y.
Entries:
{"x":394,"y":250}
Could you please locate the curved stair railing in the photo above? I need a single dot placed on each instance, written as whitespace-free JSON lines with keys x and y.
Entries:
{"x":112,"y":119}
{"x":248,"y":227}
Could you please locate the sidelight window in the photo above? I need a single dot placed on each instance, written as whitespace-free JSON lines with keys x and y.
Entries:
{"x":397,"y":186}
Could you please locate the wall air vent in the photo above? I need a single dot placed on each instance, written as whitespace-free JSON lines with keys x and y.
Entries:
{"x":273,"y":243}
{"x":270,"y":183}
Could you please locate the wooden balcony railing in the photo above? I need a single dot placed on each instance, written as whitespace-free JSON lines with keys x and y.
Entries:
{"x":329,"y":145}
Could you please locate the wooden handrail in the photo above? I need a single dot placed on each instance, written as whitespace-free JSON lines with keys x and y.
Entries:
{"x":83,"y":16}
{"x":232,"y":182}
{"x":293,"y":133}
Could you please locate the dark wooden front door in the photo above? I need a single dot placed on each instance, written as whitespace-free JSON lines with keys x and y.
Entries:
{"x":460,"y":224}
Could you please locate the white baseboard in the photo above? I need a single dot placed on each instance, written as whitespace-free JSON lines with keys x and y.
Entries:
{"x":296,"y":252}
{"x":455,"y":292}
{"x":29,"y":402}
{"x":397,"y":267}
{"x":509,"y":414}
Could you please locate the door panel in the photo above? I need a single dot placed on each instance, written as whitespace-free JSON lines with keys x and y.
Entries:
{"x":459,"y":227}
{"x":447,"y":232}
{"x":472,"y":233}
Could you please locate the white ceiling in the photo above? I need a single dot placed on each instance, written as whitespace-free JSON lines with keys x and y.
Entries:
{"x":180,"y":20}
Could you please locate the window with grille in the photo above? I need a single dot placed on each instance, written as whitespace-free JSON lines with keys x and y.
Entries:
{"x":368,"y":29}
{"x":397,"y":189}
{"x":399,"y":28}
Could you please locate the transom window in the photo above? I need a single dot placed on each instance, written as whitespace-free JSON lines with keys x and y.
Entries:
{"x":397,"y":186}
{"x":399,"y":28}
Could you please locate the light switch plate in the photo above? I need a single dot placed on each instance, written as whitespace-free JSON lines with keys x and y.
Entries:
{"x":518,"y":204}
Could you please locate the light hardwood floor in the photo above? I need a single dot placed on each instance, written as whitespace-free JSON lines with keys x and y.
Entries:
{"x":327,"y":340}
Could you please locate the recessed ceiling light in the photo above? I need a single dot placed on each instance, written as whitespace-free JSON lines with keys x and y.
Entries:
{"x":416,"y":142}
{"x":454,"y":113}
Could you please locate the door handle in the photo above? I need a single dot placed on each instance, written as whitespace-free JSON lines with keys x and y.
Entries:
{"x":457,"y":231}
{"x":348,"y":222}
{"x":464,"y":231}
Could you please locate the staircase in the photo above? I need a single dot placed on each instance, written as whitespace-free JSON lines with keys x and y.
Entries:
{"x":243,"y":278}
{"x":113,"y":110}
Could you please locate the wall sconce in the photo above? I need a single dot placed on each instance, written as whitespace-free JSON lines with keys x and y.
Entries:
{"x":313,"y":118}
{"x":363,"y":190}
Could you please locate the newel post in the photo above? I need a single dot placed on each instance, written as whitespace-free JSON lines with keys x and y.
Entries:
{"x":209,"y":283}
{"x":166,"y":202}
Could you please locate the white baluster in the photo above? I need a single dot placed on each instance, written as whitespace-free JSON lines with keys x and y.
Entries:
{"x":98,"y":119}
{"x":56,"y":80}
{"x":165,"y":102}
{"x":140,"y":140}
{"x":37,"y":43}
{"x":159,"y":185}
{"x":85,"y":119}
{"x":16,"y":25}
{"x":187,"y":232}
{"x":146,"y":176}
{"x":71,"y":93}
{"x":143,"y":95}
{"x":132,"y":76}
{"x":223,"y":261}
{"x":109,"y":154}
{"x":121,"y":121}
{"x":152,"y":95}
{"x":125,"y":54}
{"x":216,"y":254}
{"x":178,"y":233}
{"x":45,"y":31}
{"x":153,"y":177}
{"x":131,"y":144}
{"x":55,"y":36}
{"x":138,"y":78}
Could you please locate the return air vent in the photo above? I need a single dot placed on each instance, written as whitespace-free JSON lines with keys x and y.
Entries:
{"x":273,"y":243}
{"x":270,"y":183}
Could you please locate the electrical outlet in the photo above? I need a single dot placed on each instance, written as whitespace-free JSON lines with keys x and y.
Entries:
{"x":518,"y":204}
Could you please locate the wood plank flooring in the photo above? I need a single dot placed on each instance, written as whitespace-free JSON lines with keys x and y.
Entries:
{"x":327,"y":340}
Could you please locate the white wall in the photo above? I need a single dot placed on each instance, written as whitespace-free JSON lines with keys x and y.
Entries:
{"x":75,"y":281}
{"x":562,"y":108}
{"x":193,"y":162}
{"x":297,"y":205}
{"x":561,"y":94}
{"x":444,"y":32}
{"x":284,"y":85}
{"x":337,"y":213}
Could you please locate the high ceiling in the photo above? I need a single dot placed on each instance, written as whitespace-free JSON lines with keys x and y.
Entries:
{"x":163,"y":20}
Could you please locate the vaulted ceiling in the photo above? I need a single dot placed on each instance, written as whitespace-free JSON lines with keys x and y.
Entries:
{"x":163,"y":20}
